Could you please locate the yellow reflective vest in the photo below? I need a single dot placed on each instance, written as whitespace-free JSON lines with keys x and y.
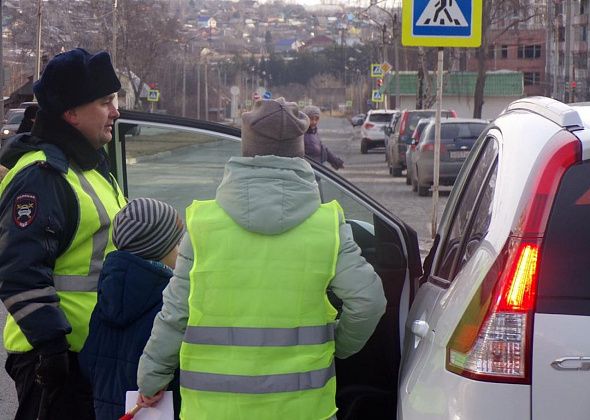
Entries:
{"x":76,"y":271}
{"x":259,"y":342}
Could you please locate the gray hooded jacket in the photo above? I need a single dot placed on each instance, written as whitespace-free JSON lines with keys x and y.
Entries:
{"x":268,"y":195}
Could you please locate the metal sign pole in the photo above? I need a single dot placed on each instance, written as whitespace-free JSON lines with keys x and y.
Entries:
{"x":439,"y":92}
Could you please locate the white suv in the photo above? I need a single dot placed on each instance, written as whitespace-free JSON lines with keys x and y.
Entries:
{"x":499,"y":327}
{"x":372,"y":130}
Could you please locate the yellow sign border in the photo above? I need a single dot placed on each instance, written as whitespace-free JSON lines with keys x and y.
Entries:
{"x":472,"y":41}
{"x":373,"y":96}
{"x":374,"y":66}
{"x":157,"y":95}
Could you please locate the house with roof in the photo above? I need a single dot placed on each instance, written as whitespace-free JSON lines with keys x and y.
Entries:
{"x":318,"y":43}
{"x":501,"y":88}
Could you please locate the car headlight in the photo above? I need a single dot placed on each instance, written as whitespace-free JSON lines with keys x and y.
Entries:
{"x":6,"y":132}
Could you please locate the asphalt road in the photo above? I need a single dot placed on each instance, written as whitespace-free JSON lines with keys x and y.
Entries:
{"x":368,"y":171}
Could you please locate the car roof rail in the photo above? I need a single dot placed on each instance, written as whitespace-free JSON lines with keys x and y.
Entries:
{"x":556,"y":111}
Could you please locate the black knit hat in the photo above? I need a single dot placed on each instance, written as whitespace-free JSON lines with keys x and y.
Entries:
{"x":75,"y":78}
{"x":147,"y":228}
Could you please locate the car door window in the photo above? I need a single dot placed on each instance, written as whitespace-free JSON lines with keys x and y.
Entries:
{"x":175,"y":164}
{"x":479,"y":188}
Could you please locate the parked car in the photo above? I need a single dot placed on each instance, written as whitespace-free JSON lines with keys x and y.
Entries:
{"x":399,"y":136}
{"x":457,"y":137}
{"x":372,"y":128}
{"x":412,"y":146}
{"x":14,"y":117}
{"x":357,"y":120}
{"x":495,"y":327}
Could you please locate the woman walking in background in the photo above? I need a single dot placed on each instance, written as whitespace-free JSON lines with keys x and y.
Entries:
{"x":313,"y":145}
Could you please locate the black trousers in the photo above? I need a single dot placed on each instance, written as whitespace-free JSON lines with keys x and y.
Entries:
{"x":72,"y":401}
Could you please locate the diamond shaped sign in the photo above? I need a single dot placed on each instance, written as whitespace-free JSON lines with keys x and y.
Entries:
{"x":385,"y":67}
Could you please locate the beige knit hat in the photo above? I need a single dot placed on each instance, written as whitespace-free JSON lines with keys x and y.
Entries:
{"x":274,"y":127}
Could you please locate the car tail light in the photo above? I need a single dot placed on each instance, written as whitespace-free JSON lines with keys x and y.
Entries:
{"x":402,"y":123}
{"x":369,"y":125}
{"x":493,"y":340}
{"x":429,"y":147}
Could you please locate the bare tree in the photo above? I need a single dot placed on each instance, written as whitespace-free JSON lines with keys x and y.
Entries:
{"x":499,"y":17}
{"x":148,"y":38}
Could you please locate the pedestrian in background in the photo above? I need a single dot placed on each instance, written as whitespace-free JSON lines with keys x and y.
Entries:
{"x":146,"y":233}
{"x":56,"y":206}
{"x":246,"y":315}
{"x":314,"y":148}
{"x":26,"y":125}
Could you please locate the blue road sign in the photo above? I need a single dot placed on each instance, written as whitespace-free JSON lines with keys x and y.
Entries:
{"x":442,"y":23}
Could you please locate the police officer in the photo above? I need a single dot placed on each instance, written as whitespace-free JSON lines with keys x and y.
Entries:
{"x":56,"y":206}
{"x":248,"y":321}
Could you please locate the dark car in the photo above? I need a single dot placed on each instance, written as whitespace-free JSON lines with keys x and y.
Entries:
{"x":457,"y":137}
{"x":400,"y":135}
{"x":13,"y":119}
{"x":358,"y":119}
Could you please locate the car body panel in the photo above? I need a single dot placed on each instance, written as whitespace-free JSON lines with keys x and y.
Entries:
{"x":560,"y":393}
{"x":424,"y":372}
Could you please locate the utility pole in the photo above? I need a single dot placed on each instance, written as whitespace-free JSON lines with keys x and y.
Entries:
{"x":398,"y":104}
{"x":38,"y":59}
{"x":183,"y":81}
{"x":385,"y":77}
{"x":567,"y":61}
{"x":1,"y":66}
{"x":206,"y":89}
{"x":114,"y":47}
{"x":199,"y":89}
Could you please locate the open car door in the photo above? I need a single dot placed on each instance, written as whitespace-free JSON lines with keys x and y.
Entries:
{"x":177,"y":160}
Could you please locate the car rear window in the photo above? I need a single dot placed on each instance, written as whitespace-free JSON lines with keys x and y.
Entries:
{"x":415,"y":116}
{"x":564,"y":280}
{"x":15,"y":119}
{"x":380,"y":118}
{"x":451,"y":132}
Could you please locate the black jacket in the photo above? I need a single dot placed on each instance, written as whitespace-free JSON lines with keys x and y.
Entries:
{"x":30,"y":244}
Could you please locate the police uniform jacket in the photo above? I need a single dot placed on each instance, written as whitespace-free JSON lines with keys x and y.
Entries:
{"x":31,"y":242}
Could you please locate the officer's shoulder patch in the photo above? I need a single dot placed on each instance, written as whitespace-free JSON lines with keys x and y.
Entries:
{"x":25,"y":209}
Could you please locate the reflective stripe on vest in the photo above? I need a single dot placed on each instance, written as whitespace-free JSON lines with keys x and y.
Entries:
{"x":76,"y":271}
{"x":259,"y":341}
{"x":261,"y":384}
{"x":234,"y":336}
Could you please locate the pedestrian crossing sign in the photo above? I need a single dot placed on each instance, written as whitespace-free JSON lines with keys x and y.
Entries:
{"x":376,"y":70}
{"x":377,"y":96}
{"x":153,"y":95}
{"x":441,"y":23}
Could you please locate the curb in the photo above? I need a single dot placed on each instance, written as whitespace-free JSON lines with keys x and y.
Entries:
{"x":145,"y":158}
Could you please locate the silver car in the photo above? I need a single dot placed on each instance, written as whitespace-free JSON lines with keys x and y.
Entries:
{"x":457,"y":136}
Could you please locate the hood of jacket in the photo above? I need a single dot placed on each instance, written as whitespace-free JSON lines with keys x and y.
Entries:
{"x":268,"y":194}
{"x":129,"y":286}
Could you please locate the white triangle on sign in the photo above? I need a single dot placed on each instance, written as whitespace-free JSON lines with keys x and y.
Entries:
{"x":442,"y":13}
